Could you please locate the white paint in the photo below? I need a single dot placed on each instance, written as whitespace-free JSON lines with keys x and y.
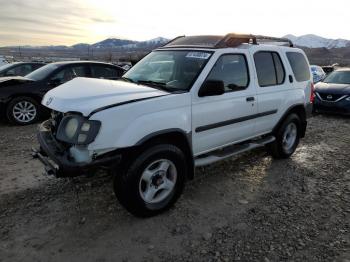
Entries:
{"x":125,"y":125}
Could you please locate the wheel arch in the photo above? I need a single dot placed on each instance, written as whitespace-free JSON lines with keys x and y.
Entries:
{"x":173,"y":136}
{"x":37,"y":98}
{"x":299,"y":110}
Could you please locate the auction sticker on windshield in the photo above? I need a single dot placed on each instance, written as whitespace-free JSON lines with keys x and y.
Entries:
{"x":198,"y":55}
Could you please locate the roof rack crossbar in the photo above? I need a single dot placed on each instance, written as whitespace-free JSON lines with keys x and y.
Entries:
{"x":172,"y":40}
{"x":274,"y":39}
{"x":233,"y":40}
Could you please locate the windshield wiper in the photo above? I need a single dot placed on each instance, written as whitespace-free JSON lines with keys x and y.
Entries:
{"x":158,"y":85}
{"x":127,"y":79}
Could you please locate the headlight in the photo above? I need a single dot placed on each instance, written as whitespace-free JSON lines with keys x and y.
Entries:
{"x":75,"y":129}
{"x":348,"y":98}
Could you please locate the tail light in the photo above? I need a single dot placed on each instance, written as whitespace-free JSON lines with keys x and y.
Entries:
{"x":312,"y":95}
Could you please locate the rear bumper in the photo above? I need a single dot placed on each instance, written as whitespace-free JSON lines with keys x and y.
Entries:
{"x":57,"y":161}
{"x":340,"y":107}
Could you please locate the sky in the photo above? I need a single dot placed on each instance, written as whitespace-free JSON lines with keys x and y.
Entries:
{"x":67,"y":22}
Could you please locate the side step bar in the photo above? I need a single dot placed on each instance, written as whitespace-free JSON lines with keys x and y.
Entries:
{"x":230,"y":151}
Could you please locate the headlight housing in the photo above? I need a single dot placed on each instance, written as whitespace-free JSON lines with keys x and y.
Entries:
{"x":348,"y":98}
{"x":75,"y":129}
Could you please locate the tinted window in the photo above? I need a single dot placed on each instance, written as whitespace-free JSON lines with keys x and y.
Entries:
{"x":20,"y":70}
{"x":69,"y":73}
{"x":279,"y":68}
{"x":269,"y":68}
{"x":232,"y":70}
{"x":99,"y":71}
{"x":36,"y":66}
{"x":265,"y":69}
{"x":299,"y":66}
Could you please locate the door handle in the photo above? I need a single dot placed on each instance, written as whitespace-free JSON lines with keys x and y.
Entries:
{"x":290,"y":79}
{"x":250,"y":99}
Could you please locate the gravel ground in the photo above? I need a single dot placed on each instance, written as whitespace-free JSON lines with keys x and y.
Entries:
{"x":250,"y":208}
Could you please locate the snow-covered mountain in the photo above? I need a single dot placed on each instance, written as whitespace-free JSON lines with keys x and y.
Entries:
{"x":158,"y":40}
{"x":123,"y":43}
{"x":113,"y":42}
{"x":315,"y":41}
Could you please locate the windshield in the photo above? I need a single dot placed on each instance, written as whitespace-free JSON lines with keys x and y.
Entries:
{"x":42,"y":72}
{"x":172,"y":70}
{"x":338,"y":77}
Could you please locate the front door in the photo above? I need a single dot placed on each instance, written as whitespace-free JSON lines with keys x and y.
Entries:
{"x":227,"y":118}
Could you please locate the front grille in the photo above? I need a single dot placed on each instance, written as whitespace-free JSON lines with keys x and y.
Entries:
{"x":329,"y":97}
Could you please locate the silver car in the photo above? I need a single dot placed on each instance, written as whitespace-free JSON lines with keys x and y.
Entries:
{"x":317,"y":73}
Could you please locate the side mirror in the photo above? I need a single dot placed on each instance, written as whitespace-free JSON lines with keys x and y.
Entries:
{"x":212,"y":88}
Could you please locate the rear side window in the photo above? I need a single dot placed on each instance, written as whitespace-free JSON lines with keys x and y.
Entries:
{"x":299,"y":66}
{"x":269,"y":68}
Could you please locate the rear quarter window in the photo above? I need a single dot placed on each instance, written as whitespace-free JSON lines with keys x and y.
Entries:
{"x":299,"y":66}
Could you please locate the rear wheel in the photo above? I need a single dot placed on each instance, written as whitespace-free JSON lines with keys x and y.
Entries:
{"x":153,"y":181}
{"x":22,"y":111}
{"x":287,"y":138}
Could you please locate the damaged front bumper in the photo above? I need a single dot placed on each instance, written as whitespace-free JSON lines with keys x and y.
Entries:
{"x":57,"y":160}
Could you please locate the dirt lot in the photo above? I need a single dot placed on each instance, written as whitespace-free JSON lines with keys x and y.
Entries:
{"x":250,"y":208}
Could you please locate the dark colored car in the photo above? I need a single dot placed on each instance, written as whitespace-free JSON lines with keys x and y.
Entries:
{"x":333,"y":93}
{"x":20,"y":97}
{"x":19,"y":68}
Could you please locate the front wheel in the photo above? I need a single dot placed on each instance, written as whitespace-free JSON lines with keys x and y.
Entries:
{"x":287,"y":138}
{"x":22,"y":111}
{"x":153,"y":181}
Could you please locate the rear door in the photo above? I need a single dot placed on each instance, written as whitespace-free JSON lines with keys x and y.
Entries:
{"x":224,"y":119}
{"x":272,"y":85}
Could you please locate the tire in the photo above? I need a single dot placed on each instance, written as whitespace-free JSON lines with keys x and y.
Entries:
{"x":144,"y":188}
{"x":284,"y":146}
{"x":29,"y":115}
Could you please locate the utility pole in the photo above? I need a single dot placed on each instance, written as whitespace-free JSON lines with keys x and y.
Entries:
{"x":19,"y":50}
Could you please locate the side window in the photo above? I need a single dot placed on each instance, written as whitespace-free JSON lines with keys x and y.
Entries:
{"x":299,"y":66}
{"x":232,"y":69}
{"x":269,"y":68}
{"x":20,"y":70}
{"x":69,"y":73}
{"x":36,"y":66}
{"x":98,"y":71}
{"x":280,"y":73}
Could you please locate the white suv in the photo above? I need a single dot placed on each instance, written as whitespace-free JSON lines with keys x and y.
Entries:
{"x":192,"y":102}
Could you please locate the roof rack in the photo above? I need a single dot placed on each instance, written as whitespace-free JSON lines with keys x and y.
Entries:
{"x":229,"y":40}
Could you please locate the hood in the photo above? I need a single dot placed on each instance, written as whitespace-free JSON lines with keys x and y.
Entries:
{"x":85,"y":95}
{"x":336,"y":89}
{"x":14,"y":80}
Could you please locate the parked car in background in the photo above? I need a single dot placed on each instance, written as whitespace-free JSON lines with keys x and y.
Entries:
{"x":3,"y":61}
{"x":329,"y":69}
{"x":317,"y":73}
{"x":333,"y":93}
{"x":20,"y":97}
{"x":193,"y":102}
{"x":19,"y":68}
